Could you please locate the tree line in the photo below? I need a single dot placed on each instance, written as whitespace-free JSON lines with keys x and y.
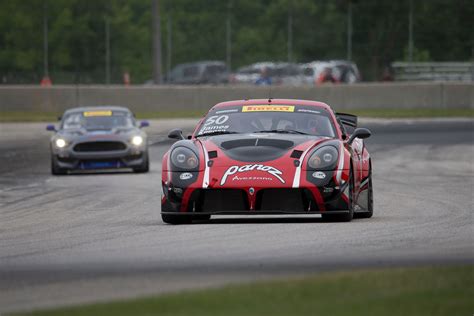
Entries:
{"x":192,"y":30}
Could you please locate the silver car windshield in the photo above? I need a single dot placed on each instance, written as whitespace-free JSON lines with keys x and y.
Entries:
{"x":108,"y":121}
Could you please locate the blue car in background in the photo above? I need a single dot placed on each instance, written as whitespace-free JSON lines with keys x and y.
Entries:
{"x":101,"y":137}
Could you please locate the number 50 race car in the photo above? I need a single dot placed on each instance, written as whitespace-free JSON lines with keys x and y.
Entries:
{"x":272,"y":156}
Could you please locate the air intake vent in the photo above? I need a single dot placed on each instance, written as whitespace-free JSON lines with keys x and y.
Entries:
{"x":296,"y":154}
{"x":212,"y":154}
{"x":99,"y":146}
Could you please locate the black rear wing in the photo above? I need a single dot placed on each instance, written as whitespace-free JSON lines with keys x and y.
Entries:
{"x":348,"y":120}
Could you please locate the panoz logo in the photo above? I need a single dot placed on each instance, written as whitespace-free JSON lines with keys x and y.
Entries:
{"x":268,"y":108}
{"x":236,"y":169}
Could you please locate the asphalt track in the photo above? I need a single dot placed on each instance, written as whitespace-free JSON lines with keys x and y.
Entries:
{"x":94,"y":237}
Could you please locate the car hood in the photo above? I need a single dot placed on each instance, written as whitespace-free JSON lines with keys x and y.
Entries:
{"x":255,"y":159}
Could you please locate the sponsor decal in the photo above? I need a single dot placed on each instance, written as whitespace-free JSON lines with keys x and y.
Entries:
{"x":227,"y":111}
{"x":185,"y":176}
{"x":308,"y":111}
{"x":268,"y":108}
{"x":215,"y":123}
{"x":257,"y":167}
{"x":319,"y":175}
{"x":97,"y":113}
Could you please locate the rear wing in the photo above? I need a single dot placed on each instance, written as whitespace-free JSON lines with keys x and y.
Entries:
{"x":348,"y":121}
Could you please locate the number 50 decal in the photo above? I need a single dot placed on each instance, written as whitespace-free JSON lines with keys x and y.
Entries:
{"x":216,"y":119}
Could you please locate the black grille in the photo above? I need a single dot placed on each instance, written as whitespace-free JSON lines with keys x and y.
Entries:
{"x":285,"y":200}
{"x":216,"y":200}
{"x":99,"y":146}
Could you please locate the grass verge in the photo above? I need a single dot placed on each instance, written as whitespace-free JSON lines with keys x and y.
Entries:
{"x":400,"y":291}
{"x":22,"y":116}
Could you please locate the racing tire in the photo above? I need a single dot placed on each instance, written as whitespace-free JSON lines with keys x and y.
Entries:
{"x":145,"y":166}
{"x":176,"y":219}
{"x":370,"y":201}
{"x":344,"y":217}
{"x":55,"y":169}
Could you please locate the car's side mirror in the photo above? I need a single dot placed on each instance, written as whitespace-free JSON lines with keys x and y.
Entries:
{"x":359,"y":133}
{"x":51,"y":128}
{"x":176,"y":134}
{"x":144,"y":124}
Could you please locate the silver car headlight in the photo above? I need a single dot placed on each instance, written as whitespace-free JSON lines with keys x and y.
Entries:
{"x":137,"y":140}
{"x":184,"y":158}
{"x":323,"y":158}
{"x":60,"y":143}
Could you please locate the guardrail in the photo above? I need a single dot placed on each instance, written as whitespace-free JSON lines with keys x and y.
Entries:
{"x":434,"y":71}
{"x":172,"y":98}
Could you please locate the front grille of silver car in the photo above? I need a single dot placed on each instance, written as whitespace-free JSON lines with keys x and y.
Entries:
{"x":99,"y":146}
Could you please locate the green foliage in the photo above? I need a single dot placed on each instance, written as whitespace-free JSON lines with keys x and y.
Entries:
{"x":442,"y":32}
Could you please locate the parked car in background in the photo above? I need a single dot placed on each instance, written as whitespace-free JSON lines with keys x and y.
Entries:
{"x":202,"y":72}
{"x":280,"y":73}
{"x":343,"y":71}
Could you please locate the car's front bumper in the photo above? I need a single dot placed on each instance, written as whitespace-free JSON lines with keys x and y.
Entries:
{"x":251,"y":200}
{"x":127,"y":158}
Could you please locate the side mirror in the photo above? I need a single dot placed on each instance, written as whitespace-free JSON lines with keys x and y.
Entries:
{"x":144,"y":124}
{"x":176,"y":134}
{"x":51,"y":128}
{"x":359,"y":133}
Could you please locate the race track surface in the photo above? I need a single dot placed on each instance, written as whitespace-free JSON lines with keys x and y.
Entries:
{"x":94,"y":237}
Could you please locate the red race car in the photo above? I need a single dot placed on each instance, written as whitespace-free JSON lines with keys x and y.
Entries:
{"x":269,"y":156}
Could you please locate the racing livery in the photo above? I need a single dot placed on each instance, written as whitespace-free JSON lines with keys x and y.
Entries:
{"x":101,"y":137}
{"x":274,"y":156}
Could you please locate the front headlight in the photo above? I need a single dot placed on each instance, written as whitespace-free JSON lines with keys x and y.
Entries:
{"x":137,"y":140}
{"x":323,"y":158}
{"x":184,"y":158}
{"x":60,"y":143}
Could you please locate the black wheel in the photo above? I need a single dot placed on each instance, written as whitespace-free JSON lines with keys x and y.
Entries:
{"x":145,"y":166}
{"x":370,"y":200}
{"x":344,"y":217}
{"x":55,"y":169}
{"x":176,"y":219}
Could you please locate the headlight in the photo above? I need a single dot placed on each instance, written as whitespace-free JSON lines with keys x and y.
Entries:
{"x":60,"y":143}
{"x":137,"y":140}
{"x":323,"y":158}
{"x":184,"y":158}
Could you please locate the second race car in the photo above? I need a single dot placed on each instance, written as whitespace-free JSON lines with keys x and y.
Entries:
{"x":269,"y":157}
{"x":101,"y":137}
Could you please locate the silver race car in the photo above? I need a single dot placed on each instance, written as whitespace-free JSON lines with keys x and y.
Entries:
{"x":103,"y":137}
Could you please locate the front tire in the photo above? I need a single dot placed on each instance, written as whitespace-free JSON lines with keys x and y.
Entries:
{"x":176,"y":219}
{"x":344,"y":217}
{"x":145,"y":166}
{"x":370,"y":201}
{"x":55,"y":169}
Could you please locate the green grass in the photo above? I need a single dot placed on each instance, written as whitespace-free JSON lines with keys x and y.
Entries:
{"x":400,"y":291}
{"x":23,"y":116}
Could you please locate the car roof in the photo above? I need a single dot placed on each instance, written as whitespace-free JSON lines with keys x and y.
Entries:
{"x":98,"y":108}
{"x":273,"y":101}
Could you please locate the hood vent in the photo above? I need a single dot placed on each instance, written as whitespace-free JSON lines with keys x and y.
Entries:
{"x":261,"y":142}
{"x":212,"y":154}
{"x":296,"y":154}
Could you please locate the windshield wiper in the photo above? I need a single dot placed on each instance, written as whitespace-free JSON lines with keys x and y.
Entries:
{"x":217,"y":133}
{"x":282,"y":131}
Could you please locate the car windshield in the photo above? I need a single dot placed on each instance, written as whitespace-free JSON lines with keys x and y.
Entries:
{"x":98,"y":120}
{"x":288,"y":119}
